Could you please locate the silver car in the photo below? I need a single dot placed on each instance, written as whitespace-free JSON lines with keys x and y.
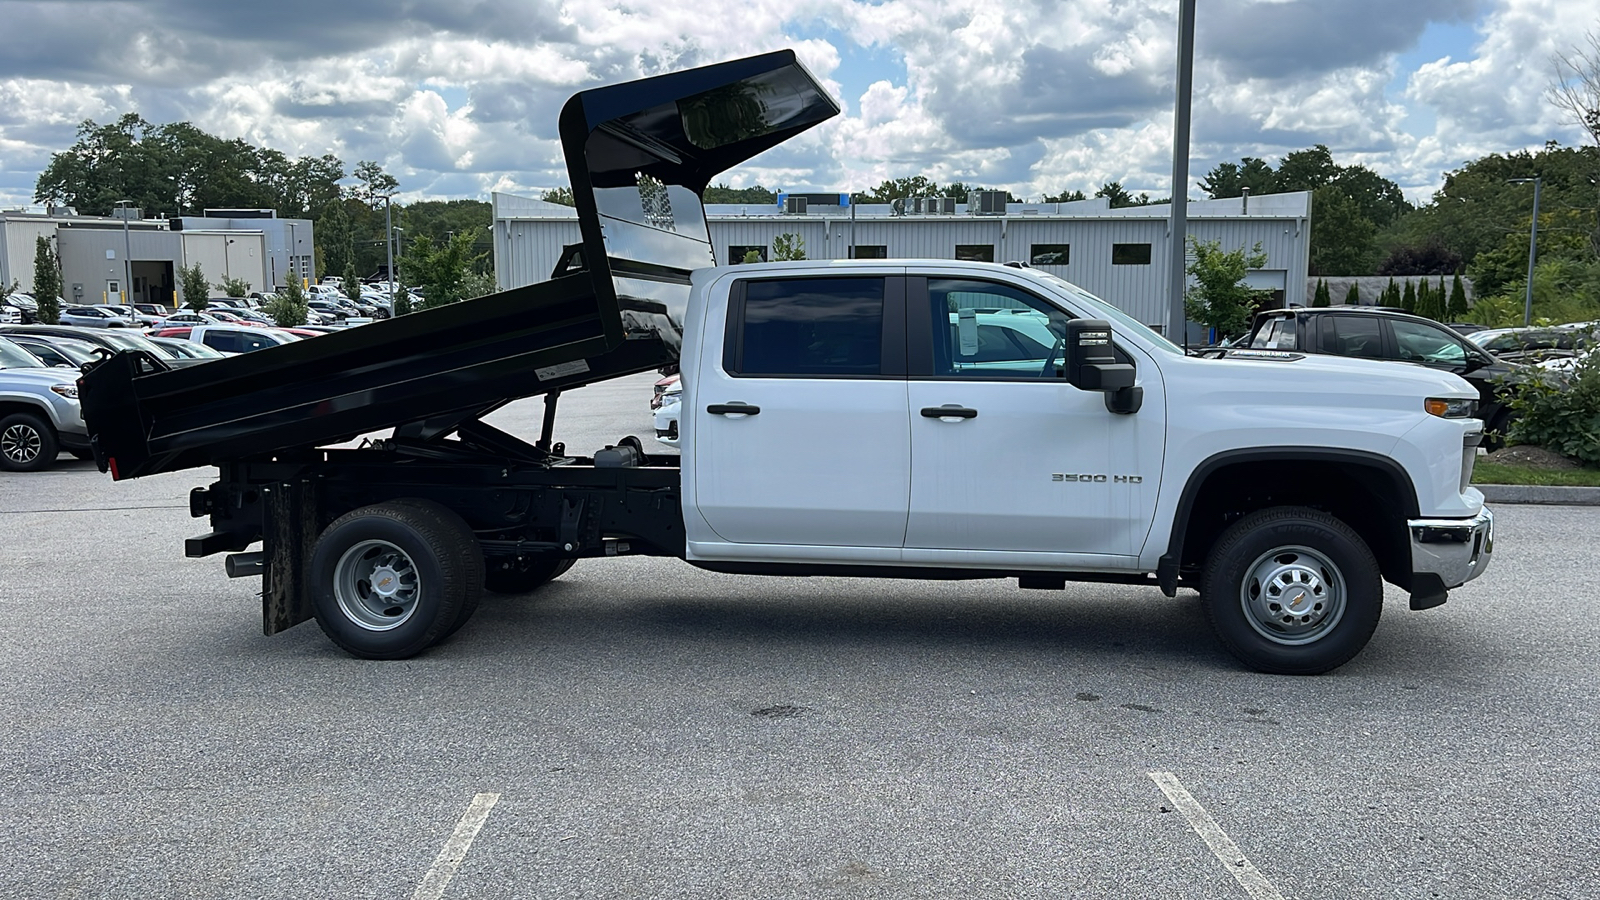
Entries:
{"x":39,"y":414}
{"x":94,"y":317}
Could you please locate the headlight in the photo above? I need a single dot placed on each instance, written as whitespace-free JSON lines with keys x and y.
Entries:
{"x":70,"y":391}
{"x":1450,"y":409}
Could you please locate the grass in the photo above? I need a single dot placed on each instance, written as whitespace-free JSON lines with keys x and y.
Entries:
{"x":1498,"y":473}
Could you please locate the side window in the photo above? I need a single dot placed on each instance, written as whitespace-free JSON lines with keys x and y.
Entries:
{"x":253,"y":342}
{"x":1357,"y":336}
{"x":1424,"y":344}
{"x":222,"y":341}
{"x":982,"y":329}
{"x":1276,"y":334}
{"x":807,"y":327}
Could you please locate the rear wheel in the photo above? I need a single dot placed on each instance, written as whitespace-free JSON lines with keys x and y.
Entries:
{"x":390,"y":580}
{"x":509,"y":578}
{"x":27,"y":443}
{"x":1292,"y":591}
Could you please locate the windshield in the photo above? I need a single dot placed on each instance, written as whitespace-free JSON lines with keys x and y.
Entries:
{"x":1110,"y":313}
{"x":14,"y":357}
{"x":121,"y":340}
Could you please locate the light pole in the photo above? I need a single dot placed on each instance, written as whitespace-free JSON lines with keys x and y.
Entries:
{"x":1533,"y":245}
{"x":127,"y":260}
{"x":388,"y":240}
{"x":1178,"y":226}
{"x":394,"y":242}
{"x":227,"y":261}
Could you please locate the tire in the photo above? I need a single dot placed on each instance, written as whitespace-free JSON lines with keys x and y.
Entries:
{"x":27,"y":443}
{"x":434,"y":560}
{"x":1271,"y":555}
{"x":524,"y":580}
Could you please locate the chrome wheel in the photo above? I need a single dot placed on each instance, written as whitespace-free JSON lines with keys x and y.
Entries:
{"x":21,"y":443}
{"x":376,"y":585}
{"x":1293,"y":595}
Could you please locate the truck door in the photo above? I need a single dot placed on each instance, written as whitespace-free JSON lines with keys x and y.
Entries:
{"x":800,"y":431}
{"x":1007,"y":456}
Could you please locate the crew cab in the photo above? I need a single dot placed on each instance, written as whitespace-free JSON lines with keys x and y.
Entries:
{"x":924,"y":419}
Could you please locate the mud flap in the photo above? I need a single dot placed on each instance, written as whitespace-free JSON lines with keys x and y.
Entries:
{"x":290,"y":527}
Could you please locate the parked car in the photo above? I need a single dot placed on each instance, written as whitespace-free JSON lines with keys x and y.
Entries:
{"x":131,"y":315}
{"x":94,"y":317}
{"x":56,"y":352}
{"x":189,"y":317}
{"x":153,"y":309}
{"x":39,"y":415}
{"x":10,"y":315}
{"x":668,"y":413}
{"x":233,"y":317}
{"x":1467,"y":328}
{"x":27,"y":305}
{"x":186,"y":348}
{"x":662,"y":383}
{"x":1535,"y":344}
{"x":230,"y":339}
{"x":1368,"y":333}
{"x":107,"y":338}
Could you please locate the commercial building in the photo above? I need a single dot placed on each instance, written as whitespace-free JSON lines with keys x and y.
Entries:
{"x":1118,"y":254}
{"x":108,"y":258}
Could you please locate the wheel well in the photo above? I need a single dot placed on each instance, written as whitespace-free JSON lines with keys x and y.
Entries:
{"x":7,"y":407}
{"x":1370,"y":498}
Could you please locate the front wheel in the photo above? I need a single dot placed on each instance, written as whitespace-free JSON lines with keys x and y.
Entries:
{"x":390,"y":580}
{"x":27,"y":443}
{"x":1292,"y":591}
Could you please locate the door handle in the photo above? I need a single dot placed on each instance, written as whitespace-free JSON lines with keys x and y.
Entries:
{"x":733,"y":409}
{"x":950,"y":411}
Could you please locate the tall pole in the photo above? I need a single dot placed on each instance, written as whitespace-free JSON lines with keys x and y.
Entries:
{"x":127,"y":258}
{"x":388,"y":240}
{"x":1178,"y":224}
{"x":1533,"y":247}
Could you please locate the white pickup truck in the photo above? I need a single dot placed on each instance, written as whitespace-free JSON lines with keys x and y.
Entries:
{"x":922,"y":419}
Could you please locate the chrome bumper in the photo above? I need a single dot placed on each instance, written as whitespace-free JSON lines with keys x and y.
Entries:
{"x":1455,"y":550}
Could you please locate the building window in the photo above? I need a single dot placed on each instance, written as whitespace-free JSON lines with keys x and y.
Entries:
{"x":1050,"y":255}
{"x":1130,"y":254}
{"x":872,"y":251}
{"x":975,"y":252}
{"x":737,"y":254}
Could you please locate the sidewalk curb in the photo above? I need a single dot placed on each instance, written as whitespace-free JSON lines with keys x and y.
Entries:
{"x":1541,"y":495}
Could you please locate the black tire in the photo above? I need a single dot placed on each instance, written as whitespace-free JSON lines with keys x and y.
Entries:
{"x":419,"y":539}
{"x":27,"y":443}
{"x":512,"y":580}
{"x":1324,"y":573}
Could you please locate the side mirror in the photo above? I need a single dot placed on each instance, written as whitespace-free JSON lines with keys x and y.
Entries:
{"x":1091,"y":365}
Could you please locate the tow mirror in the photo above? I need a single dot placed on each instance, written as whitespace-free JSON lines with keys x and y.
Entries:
{"x":1091,"y":364}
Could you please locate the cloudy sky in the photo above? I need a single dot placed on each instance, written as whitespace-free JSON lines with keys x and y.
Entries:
{"x":459,"y":98}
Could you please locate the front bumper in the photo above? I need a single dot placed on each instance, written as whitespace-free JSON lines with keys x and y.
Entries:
{"x":1447,"y":553}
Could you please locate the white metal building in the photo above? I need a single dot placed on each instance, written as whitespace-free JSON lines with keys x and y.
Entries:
{"x":1118,"y":254}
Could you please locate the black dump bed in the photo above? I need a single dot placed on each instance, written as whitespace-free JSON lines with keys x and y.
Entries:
{"x":639,"y":156}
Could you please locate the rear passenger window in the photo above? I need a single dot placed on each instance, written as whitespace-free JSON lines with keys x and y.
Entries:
{"x":221,"y":341}
{"x":1278,"y":334}
{"x":1357,"y":336}
{"x":809,"y":327}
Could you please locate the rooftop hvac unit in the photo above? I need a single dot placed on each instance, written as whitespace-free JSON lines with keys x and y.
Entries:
{"x":941,"y":206}
{"x":987,"y":203}
{"x":794,"y":206}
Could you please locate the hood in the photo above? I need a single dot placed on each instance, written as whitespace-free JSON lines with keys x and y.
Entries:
{"x":44,"y":377}
{"x":1318,"y":373}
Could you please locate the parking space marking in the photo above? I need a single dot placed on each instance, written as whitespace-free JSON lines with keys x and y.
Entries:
{"x":1244,"y":872}
{"x":455,"y":849}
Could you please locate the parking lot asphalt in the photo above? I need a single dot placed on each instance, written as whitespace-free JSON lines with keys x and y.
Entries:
{"x":650,"y":730}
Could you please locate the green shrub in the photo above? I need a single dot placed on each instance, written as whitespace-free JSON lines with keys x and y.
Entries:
{"x":233,"y":287}
{"x":1559,"y":412}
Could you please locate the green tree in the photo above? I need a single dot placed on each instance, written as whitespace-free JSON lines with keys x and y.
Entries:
{"x":440,"y":220}
{"x":897,"y":188}
{"x":1390,"y":296}
{"x":755,"y":196}
{"x":350,"y":281}
{"x":1229,"y":179}
{"x":1065,"y":197}
{"x":441,"y":270}
{"x":233,"y":287}
{"x":561,"y":195}
{"x":1341,"y":237}
{"x":289,"y":307}
{"x":1457,"y":309}
{"x":1319,"y":297}
{"x":788,"y":246}
{"x":1119,"y":196}
{"x":196,"y":290}
{"x":1220,"y":299}
{"x":47,"y":280}
{"x":1408,"y":300}
{"x":752,"y":256}
{"x":402,"y":301}
{"x":1352,"y":297}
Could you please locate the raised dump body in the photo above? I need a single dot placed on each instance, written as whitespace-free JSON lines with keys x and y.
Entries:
{"x":639,"y":155}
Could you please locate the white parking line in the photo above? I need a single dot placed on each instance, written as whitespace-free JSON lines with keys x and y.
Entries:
{"x":1248,"y":876}
{"x":455,"y":849}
